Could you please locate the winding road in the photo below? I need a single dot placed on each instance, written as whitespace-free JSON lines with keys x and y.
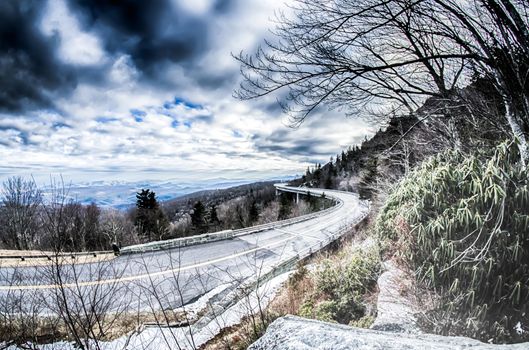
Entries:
{"x":175,"y":277}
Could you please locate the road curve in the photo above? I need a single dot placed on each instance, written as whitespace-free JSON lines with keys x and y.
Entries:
{"x":172,"y":278}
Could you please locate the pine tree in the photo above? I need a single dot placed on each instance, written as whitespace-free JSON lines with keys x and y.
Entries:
{"x":332,"y":169}
{"x":367,"y":185}
{"x":311,"y":200}
{"x":253,"y":214}
{"x":146,"y":199}
{"x":213,"y":217}
{"x":150,"y":218}
{"x":328,"y":181}
{"x":198,"y":218}
{"x":317,"y":174}
{"x":285,"y":206}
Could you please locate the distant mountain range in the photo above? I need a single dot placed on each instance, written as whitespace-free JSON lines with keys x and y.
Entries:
{"x":121,"y":194}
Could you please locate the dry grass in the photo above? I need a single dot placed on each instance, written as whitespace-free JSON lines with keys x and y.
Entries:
{"x":300,"y":287}
{"x":44,"y":330}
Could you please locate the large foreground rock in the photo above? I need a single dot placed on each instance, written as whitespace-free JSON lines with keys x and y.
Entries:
{"x":395,"y":311}
{"x":291,"y":332}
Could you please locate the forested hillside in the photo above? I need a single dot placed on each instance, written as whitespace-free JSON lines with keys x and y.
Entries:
{"x":404,"y":142}
{"x":235,"y":208}
{"x":447,"y":172}
{"x":29,"y":221}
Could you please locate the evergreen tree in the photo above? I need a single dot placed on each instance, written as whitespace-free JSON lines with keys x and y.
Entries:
{"x":213,"y":217}
{"x":253,"y":214}
{"x":332,"y":169}
{"x":146,"y":199}
{"x":285,"y":206}
{"x":311,"y":200}
{"x":317,"y":174}
{"x":366,"y":187}
{"x":240,"y":216}
{"x":150,"y":218}
{"x":328,"y":181}
{"x":323,"y":201}
{"x":198,"y":218}
{"x":343,"y":159}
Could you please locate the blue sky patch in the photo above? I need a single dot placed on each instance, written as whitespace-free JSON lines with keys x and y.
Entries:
{"x":138,"y":114}
{"x":187,"y":104}
{"x":105,"y":120}
{"x":59,"y":125}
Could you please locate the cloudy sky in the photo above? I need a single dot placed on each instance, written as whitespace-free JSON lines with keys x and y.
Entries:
{"x":142,"y":90}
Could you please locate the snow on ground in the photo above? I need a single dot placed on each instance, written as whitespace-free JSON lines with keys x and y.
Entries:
{"x":154,"y":338}
{"x":292,"y":332}
{"x":189,"y":337}
{"x":201,"y":303}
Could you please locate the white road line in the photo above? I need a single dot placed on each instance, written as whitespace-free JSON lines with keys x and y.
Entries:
{"x":142,"y":276}
{"x":301,"y":234}
{"x":331,"y":221}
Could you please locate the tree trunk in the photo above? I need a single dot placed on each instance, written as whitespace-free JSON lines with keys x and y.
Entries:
{"x":518,"y":134}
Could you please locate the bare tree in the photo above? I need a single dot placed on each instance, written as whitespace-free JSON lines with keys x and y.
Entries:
{"x":389,"y":56}
{"x":69,"y":225}
{"x":116,"y":227}
{"x":22,"y":311}
{"x":89,"y":299}
{"x":496,"y":35}
{"x":19,"y":223}
{"x":351,"y":54}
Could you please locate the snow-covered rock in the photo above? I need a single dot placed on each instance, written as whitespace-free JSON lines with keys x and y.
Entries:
{"x":295,"y":333}
{"x":395,"y":312}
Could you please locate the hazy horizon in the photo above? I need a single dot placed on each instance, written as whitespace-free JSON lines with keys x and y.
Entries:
{"x":120,"y":194}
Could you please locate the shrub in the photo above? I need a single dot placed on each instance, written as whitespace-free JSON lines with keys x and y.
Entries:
{"x":326,"y":311}
{"x":363,"y":322}
{"x":463,"y":223}
{"x":358,"y":272}
{"x":344,"y":282}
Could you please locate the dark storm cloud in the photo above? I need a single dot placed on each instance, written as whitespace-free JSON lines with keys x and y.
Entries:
{"x":283,"y":143}
{"x":29,"y":69}
{"x":156,"y":34}
{"x":223,"y":6}
{"x":152,"y":32}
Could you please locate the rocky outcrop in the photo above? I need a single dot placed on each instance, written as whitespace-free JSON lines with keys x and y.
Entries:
{"x":295,"y":333}
{"x":394,"y":328}
{"x":395,"y":309}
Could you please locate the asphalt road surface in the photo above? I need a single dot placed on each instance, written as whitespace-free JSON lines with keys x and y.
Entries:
{"x":175,"y":277}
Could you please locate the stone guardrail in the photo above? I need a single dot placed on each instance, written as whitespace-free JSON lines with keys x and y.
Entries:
{"x":307,"y":252}
{"x":287,"y":265}
{"x":228,"y":234}
{"x":51,"y":256}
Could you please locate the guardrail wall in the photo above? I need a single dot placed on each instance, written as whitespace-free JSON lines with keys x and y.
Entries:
{"x":228,"y":234}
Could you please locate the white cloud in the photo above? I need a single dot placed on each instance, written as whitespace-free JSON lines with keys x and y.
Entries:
{"x":76,"y":46}
{"x":96,"y":132}
{"x":196,"y":7}
{"x":123,"y":71}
